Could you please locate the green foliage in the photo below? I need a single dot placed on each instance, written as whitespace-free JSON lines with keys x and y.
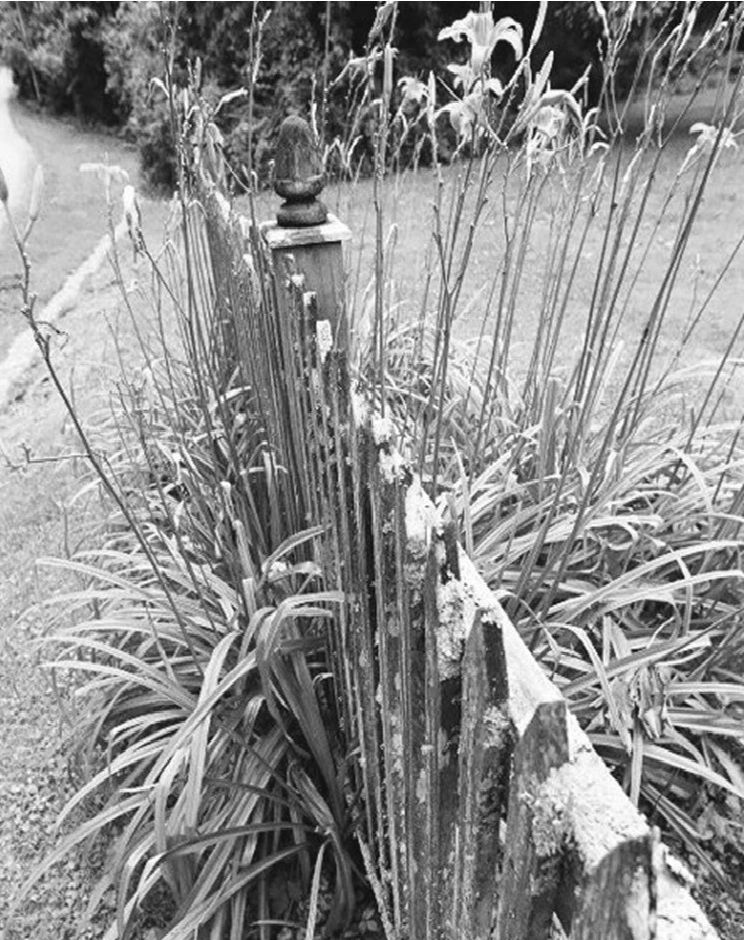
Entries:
{"x":200,"y":643}
{"x":99,"y":59}
{"x":611,"y":531}
{"x":606,"y":518}
{"x":56,"y":51}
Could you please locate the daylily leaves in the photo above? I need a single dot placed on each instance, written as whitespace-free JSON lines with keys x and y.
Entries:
{"x":229,"y":97}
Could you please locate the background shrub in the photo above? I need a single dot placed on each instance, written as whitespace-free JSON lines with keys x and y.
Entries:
{"x":97,"y":60}
{"x":57,"y":55}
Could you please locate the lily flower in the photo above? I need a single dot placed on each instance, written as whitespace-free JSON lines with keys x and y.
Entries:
{"x":466,"y":114}
{"x":469,"y":113}
{"x":358,"y":66}
{"x":708,"y":134}
{"x":414,"y":91}
{"x":464,"y":76}
{"x":546,"y":130}
{"x":707,"y":137}
{"x":483,"y":34}
{"x":549,"y":121}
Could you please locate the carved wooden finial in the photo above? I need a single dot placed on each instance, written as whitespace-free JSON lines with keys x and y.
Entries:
{"x":298,"y":175}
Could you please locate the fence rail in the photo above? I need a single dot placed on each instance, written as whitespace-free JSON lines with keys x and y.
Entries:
{"x":487,"y":813}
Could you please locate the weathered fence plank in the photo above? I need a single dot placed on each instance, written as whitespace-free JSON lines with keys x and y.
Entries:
{"x":678,"y":916}
{"x":536,"y":827}
{"x":414,"y":546}
{"x":385,"y":504}
{"x":485,"y":755}
{"x":607,"y":884}
{"x":445,"y":618}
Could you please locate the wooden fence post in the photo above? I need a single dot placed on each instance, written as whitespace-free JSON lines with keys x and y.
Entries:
{"x":306,"y":231}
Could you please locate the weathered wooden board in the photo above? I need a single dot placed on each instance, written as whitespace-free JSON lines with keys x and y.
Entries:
{"x":386,"y":508}
{"x":484,"y":762}
{"x":607,"y":881}
{"x":536,"y":827}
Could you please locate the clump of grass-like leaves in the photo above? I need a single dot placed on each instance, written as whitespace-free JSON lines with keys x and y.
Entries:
{"x":199,"y":641}
{"x":610,"y":528}
{"x":604,"y":511}
{"x":207,"y":689}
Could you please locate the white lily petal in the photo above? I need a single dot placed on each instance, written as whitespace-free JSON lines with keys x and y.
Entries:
{"x":414,"y":90}
{"x":700,"y":128}
{"x":461,"y":29}
{"x":549,"y":120}
{"x":508,"y":30}
{"x":464,"y":76}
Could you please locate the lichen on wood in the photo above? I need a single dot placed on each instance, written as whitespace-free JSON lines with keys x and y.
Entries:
{"x":549,"y":803}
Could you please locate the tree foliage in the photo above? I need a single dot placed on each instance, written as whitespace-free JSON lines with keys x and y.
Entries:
{"x":97,"y":60}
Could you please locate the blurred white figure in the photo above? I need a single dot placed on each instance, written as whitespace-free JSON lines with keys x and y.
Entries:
{"x":16,"y":157}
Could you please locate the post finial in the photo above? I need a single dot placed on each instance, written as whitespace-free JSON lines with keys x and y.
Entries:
{"x":298,"y":175}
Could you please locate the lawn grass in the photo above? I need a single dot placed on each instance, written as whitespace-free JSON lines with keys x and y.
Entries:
{"x":408,"y":200}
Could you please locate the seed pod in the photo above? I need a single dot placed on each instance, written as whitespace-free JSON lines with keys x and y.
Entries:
{"x":37,"y":193}
{"x":3,"y":188}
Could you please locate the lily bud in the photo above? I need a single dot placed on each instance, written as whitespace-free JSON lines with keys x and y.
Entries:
{"x":387,"y":75}
{"x":3,"y":188}
{"x":37,"y":192}
{"x":131,"y":208}
{"x":133,"y":218}
{"x":431,"y":100}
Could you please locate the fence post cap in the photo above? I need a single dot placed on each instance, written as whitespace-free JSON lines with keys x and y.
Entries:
{"x":298,"y":175}
{"x":330,"y":231}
